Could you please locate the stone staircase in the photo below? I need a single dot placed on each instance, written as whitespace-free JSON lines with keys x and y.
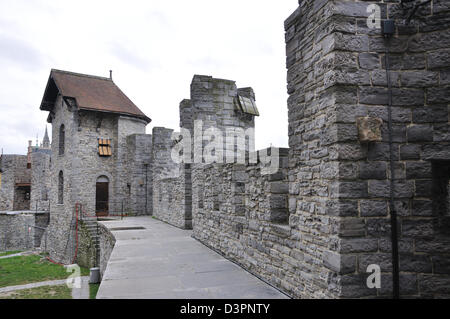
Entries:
{"x":92,"y":227}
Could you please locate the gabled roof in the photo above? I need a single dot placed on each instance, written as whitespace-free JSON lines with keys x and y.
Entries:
{"x":92,"y":93}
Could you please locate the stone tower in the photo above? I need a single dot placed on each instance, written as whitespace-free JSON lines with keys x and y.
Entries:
{"x":91,"y":121}
{"x":346,"y":189}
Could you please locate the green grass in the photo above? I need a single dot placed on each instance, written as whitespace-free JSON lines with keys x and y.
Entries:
{"x":29,"y":269}
{"x":47,"y":292}
{"x":93,"y":289}
{"x":9,"y":253}
{"x":85,"y":271}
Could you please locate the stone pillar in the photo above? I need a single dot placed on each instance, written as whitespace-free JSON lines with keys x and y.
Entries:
{"x":40,"y":181}
{"x":140,"y":177}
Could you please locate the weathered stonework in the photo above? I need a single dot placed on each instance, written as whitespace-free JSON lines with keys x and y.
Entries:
{"x":21,"y":231}
{"x":171,"y":201}
{"x":107,"y":242}
{"x":314,"y":226}
{"x":15,"y":183}
{"x":339,"y":188}
{"x":40,"y":181}
{"x":82,"y":166}
{"x":244,"y":215}
{"x":140,"y":177}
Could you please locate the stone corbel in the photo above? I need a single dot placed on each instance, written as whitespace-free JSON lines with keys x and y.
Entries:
{"x":369,"y":129}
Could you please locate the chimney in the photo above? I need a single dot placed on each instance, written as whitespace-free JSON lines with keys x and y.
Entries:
{"x":110,"y":75}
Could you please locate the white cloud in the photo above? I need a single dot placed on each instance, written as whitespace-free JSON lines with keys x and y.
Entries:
{"x":154,"y":48}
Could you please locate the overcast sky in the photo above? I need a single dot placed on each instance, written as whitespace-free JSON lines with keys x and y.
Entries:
{"x":154,"y":48}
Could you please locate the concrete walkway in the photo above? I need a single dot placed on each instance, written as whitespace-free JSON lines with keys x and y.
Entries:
{"x":164,"y":262}
{"x":17,"y":255}
{"x":33,"y":285}
{"x":83,"y":291}
{"x":77,"y":293}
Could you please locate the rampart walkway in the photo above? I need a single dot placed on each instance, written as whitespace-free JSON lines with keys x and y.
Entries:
{"x":162,"y":261}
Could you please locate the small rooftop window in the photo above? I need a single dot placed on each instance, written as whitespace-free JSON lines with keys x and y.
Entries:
{"x":104,"y":147}
{"x":248,"y":105}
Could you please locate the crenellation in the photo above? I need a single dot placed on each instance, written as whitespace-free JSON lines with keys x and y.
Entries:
{"x":311,"y":219}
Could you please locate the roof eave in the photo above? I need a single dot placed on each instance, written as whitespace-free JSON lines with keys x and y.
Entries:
{"x":44,"y":106}
{"x":141,"y":117}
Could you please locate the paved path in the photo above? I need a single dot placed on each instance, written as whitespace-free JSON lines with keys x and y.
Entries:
{"x":25,"y":253}
{"x":162,"y":262}
{"x":33,"y":285}
{"x":76,"y":293}
{"x":83,"y":291}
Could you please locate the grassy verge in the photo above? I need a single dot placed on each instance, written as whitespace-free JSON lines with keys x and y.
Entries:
{"x":29,"y":269}
{"x":93,"y":289}
{"x":47,"y":292}
{"x":9,"y":253}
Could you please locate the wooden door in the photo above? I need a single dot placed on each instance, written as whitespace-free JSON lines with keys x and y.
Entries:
{"x":102,"y":199}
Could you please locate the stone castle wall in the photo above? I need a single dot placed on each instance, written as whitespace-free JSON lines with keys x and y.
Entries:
{"x":40,"y":181}
{"x":82,"y":166}
{"x":140,"y":177}
{"x":243,"y":214}
{"x":339,"y":186}
{"x":58,"y":241}
{"x":169,"y":187}
{"x":21,"y":231}
{"x":14,"y":171}
{"x":8,"y":183}
{"x":126,"y":126}
{"x":313,"y":227}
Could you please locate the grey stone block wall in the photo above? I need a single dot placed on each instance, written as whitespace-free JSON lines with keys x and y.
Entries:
{"x":126,"y":126}
{"x":140,"y":177}
{"x":244,"y":215}
{"x":339,"y":187}
{"x":107,"y":243}
{"x":58,"y":241}
{"x":8,"y":182}
{"x":40,"y":181}
{"x":14,"y":170}
{"x":214,"y":103}
{"x":171,"y":184}
{"x":20,"y":232}
{"x":82,"y":166}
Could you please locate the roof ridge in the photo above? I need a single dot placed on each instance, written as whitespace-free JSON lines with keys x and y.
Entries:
{"x":83,"y":75}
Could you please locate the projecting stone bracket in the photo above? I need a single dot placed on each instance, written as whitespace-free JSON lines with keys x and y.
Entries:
{"x":369,"y":129}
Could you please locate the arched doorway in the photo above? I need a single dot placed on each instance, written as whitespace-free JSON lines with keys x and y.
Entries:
{"x":102,"y":196}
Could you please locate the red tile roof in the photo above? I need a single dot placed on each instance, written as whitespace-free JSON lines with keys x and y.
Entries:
{"x":92,"y":93}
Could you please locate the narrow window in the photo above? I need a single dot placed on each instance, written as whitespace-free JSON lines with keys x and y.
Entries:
{"x":44,"y":194}
{"x":239,"y":197}
{"x":62,"y":136}
{"x":104,"y":147}
{"x":61,"y":188}
{"x":200,"y":198}
{"x":216,"y":199}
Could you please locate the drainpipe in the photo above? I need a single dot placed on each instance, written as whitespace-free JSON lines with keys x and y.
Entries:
{"x":389,"y":30}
